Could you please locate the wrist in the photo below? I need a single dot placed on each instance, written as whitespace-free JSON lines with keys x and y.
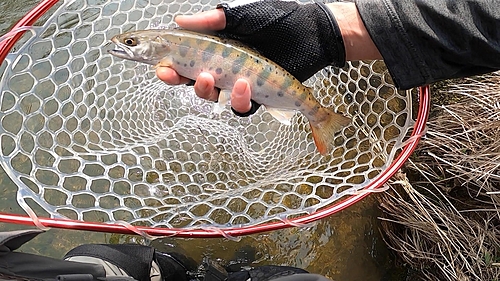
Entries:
{"x":357,"y":41}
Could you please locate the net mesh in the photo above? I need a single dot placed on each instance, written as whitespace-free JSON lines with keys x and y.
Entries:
{"x":91,"y":137}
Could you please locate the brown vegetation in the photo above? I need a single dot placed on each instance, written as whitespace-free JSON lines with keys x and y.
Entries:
{"x":445,"y":224}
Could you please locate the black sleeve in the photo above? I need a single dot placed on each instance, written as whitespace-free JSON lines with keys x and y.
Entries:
{"x":24,"y":266}
{"x":424,"y":41}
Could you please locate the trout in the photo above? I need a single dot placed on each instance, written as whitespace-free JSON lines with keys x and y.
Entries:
{"x":190,"y":53}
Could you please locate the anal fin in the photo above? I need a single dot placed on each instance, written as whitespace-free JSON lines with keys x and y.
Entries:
{"x":224,"y":98}
{"x":284,"y":116}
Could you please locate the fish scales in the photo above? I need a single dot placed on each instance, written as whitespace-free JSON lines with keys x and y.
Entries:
{"x":271,"y":85}
{"x":191,"y":53}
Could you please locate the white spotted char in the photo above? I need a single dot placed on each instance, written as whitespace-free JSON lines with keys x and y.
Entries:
{"x":191,"y":53}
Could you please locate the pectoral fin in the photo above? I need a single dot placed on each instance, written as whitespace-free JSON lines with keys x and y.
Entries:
{"x":166,"y":62}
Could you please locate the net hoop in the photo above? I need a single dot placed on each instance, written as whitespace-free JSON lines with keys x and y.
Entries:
{"x":378,"y":182}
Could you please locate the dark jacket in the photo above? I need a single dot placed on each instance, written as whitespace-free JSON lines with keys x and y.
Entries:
{"x":424,"y":41}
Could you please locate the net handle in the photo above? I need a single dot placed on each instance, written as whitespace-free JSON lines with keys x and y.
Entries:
{"x":377,"y":182}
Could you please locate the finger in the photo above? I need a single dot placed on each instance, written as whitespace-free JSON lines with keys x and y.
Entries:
{"x":240,"y":96}
{"x":209,"y":20}
{"x":204,"y":87}
{"x":170,"y":76}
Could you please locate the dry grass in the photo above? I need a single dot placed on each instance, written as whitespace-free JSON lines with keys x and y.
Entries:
{"x":446,"y":225}
{"x":437,"y":240}
{"x":463,"y":141}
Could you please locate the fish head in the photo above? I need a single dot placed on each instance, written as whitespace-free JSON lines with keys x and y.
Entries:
{"x":147,"y":46}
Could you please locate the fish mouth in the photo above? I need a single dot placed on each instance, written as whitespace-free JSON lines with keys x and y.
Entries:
{"x":118,"y":53}
{"x":121,"y":50}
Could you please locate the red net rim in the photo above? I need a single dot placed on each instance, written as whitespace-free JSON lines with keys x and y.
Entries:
{"x":418,"y":130}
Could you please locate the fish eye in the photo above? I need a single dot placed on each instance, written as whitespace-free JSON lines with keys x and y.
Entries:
{"x":130,"y":42}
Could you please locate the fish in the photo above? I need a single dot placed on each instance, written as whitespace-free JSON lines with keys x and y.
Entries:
{"x":190,"y":53}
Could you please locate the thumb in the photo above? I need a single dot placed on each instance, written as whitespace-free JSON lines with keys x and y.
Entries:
{"x":204,"y":21}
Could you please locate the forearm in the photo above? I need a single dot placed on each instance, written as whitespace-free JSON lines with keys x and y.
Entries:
{"x":426,"y":41}
{"x":357,"y":41}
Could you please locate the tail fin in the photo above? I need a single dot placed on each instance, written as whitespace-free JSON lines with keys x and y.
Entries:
{"x":323,"y":131}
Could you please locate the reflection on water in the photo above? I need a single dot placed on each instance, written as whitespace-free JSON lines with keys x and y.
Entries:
{"x":12,"y":10}
{"x":346,"y":246}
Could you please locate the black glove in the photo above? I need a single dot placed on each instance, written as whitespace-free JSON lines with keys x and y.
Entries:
{"x":301,"y":38}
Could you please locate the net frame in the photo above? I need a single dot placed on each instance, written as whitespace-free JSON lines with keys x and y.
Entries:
{"x":378,"y":182}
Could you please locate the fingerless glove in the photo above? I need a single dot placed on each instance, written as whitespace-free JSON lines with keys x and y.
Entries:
{"x":301,"y":38}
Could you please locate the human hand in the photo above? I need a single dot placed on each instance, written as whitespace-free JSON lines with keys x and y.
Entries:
{"x":204,"y":86}
{"x":301,"y":38}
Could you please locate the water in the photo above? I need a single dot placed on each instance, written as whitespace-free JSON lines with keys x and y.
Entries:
{"x":346,"y":246}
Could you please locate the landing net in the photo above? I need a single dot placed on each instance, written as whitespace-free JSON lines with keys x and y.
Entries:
{"x":99,"y":143}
